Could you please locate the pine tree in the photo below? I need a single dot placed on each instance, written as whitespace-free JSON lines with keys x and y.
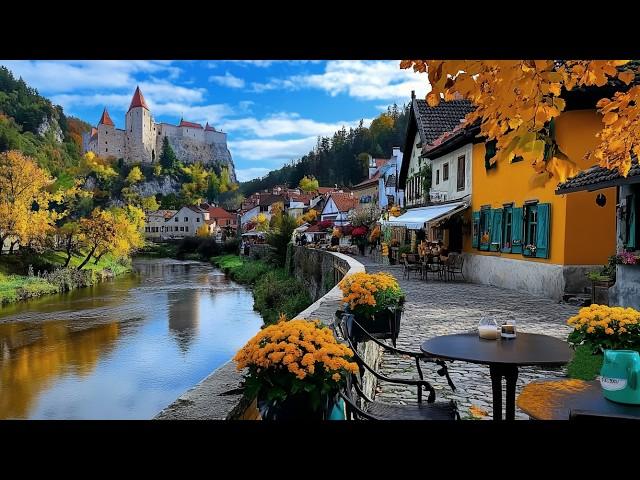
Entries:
{"x":168,"y":158}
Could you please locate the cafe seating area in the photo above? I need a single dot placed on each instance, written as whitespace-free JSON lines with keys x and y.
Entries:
{"x":517,"y":371}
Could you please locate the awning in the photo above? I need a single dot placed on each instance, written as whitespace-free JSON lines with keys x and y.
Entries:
{"x":415,"y":218}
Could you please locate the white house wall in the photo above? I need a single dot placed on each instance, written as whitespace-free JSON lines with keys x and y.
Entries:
{"x":449,"y":187}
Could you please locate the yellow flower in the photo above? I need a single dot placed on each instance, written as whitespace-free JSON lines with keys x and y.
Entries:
{"x":608,"y":331}
{"x":591,"y":330}
{"x":336,"y":377}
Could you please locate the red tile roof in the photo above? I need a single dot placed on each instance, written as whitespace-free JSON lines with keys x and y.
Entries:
{"x":344,"y":201}
{"x":217,"y":212}
{"x":105,"y":119}
{"x":380,"y":161}
{"x":324,"y":190}
{"x":369,"y":181}
{"x":189,"y":124}
{"x":138,"y":100}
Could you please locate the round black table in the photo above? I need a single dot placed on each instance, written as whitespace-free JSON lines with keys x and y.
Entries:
{"x":503,"y":356}
{"x":560,"y":399}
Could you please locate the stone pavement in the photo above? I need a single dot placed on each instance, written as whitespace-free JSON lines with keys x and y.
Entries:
{"x":436,"y":308}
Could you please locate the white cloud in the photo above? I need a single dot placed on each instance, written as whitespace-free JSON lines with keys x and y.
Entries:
{"x":193,"y":113}
{"x":255,"y":63}
{"x":227,"y":80}
{"x":361,"y":79}
{"x":161,"y":90}
{"x":245,"y":174}
{"x":285,"y":124}
{"x":53,"y":76}
{"x":269,"y":149}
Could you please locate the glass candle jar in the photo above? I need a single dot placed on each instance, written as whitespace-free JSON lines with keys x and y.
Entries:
{"x":488,"y":328}
{"x":508,"y":329}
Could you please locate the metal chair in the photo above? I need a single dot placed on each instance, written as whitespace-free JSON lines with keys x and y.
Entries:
{"x":363,"y":407}
{"x":411,"y":263}
{"x":454,"y":266}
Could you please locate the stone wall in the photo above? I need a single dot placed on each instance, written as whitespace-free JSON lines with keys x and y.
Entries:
{"x":626,"y":291}
{"x":541,"y":279}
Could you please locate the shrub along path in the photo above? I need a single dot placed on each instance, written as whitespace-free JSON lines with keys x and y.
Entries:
{"x":436,"y":308}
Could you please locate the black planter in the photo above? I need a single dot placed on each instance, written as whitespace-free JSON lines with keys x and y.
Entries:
{"x":295,"y":408}
{"x":382,"y":325}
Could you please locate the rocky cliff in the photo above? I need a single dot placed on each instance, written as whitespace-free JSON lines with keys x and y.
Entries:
{"x":188,"y":150}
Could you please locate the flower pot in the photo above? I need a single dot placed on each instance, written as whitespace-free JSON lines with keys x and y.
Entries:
{"x":295,"y":407}
{"x":383,"y":324}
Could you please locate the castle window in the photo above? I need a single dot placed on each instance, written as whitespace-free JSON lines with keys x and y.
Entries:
{"x":106,"y":149}
{"x":186,"y":219}
{"x":197,"y":219}
{"x":177,"y":219}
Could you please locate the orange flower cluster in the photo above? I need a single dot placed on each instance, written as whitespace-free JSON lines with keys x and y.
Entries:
{"x":606,"y":327}
{"x":360,"y":288}
{"x":299,"y":347}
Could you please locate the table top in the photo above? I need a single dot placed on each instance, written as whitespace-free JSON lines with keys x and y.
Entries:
{"x":525,"y":349}
{"x":555,"y":399}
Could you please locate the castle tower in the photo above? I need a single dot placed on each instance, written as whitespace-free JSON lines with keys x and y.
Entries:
{"x":108,"y":142}
{"x":140,"y":131}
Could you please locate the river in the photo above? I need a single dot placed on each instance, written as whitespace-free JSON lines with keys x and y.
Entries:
{"x":122,"y":349}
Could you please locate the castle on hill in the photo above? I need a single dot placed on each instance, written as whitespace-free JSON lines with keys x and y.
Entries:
{"x":141,"y":140}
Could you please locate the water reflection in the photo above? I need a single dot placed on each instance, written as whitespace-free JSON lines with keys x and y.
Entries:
{"x":124,"y":350}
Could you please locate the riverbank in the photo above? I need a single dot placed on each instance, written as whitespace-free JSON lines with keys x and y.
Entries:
{"x":274,"y":291}
{"x":25,"y":277}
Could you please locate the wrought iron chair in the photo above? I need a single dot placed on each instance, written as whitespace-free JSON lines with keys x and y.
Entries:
{"x":363,"y":407}
{"x":454,"y":266}
{"x":411,"y":263}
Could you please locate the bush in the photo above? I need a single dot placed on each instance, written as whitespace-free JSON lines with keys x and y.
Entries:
{"x":280,"y":238}
{"x":231,"y":245}
{"x":204,"y":247}
{"x":276,"y":293}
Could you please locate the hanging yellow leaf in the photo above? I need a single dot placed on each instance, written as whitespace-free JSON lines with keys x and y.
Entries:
{"x":433,"y":99}
{"x":627,"y":76}
{"x":478,"y":412}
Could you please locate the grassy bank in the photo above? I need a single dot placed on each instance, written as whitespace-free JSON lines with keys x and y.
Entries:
{"x":274,"y":291}
{"x":27,"y":276}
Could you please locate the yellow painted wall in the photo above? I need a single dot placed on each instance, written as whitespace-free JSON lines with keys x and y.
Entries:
{"x":573,"y":217}
{"x":590,"y":232}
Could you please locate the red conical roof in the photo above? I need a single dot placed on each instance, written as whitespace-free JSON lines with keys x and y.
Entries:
{"x":138,"y":100}
{"x":105,"y":119}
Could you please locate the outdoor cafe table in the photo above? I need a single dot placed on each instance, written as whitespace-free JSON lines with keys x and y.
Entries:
{"x":558,"y":399}
{"x":503,"y":356}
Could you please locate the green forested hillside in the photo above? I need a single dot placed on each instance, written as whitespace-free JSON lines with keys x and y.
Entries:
{"x":24,"y":116}
{"x":339,"y":159}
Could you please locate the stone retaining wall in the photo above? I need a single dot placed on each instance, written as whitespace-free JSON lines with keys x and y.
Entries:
{"x":218,"y":396}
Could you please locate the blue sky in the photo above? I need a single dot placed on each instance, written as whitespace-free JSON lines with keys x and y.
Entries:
{"x":272,"y":111}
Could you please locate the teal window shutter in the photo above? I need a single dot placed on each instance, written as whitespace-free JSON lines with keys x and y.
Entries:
{"x":496,"y":230}
{"x":632,"y":240}
{"x":507,"y":229}
{"x":516,"y":230}
{"x":476,"y":229}
{"x":542,"y":234}
{"x":486,"y":219}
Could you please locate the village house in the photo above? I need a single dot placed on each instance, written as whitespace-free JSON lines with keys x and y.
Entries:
{"x":186,"y":221}
{"x":525,"y":237}
{"x":623,"y":194}
{"x":440,"y":214}
{"x":155,"y":224}
{"x":338,"y":206}
{"x":224,"y":223}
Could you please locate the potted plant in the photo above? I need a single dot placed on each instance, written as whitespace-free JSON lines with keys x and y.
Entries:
{"x":294,"y":369}
{"x":376,"y":301}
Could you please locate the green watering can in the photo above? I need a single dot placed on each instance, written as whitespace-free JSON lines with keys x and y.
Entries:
{"x":620,"y":376}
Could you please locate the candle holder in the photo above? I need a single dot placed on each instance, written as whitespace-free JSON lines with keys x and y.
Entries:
{"x":508,"y":329}
{"x":488,"y":328}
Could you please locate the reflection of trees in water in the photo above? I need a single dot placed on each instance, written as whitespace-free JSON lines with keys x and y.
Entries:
{"x":184,"y":314}
{"x":32,"y":357}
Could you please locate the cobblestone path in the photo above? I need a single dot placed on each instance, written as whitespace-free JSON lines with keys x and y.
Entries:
{"x":436,"y":308}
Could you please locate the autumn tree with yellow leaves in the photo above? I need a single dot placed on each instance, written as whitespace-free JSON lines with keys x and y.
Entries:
{"x":308,"y":184}
{"x":25,"y":216}
{"x":517,"y":100}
